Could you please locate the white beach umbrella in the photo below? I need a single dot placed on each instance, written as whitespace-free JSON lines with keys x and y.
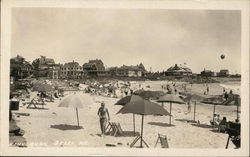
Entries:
{"x":76,"y":101}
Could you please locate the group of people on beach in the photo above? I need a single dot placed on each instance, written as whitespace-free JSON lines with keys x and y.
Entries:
{"x":226,"y":95}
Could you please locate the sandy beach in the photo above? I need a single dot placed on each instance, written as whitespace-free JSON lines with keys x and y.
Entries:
{"x":56,"y":126}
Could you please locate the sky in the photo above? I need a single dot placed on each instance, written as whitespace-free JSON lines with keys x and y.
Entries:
{"x":158,"y":38}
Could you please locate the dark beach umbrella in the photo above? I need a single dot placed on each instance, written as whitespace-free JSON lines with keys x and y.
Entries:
{"x":171,"y":98}
{"x":123,"y":101}
{"x":143,"y":107}
{"x":149,"y":94}
{"x":43,"y":88}
{"x":215,"y":100}
{"x":195,"y":98}
{"x":234,"y":99}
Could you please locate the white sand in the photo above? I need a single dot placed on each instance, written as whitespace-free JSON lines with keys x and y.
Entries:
{"x":38,"y":130}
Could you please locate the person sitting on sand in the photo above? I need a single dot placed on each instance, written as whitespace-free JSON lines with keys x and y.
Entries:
{"x":216,"y":120}
{"x":223,"y":124}
{"x":226,"y":95}
{"x":231,"y":92}
{"x":103,"y":114}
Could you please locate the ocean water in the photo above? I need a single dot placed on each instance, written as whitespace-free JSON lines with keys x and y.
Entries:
{"x":215,"y":88}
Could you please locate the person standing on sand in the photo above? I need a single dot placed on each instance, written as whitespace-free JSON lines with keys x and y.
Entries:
{"x":103,"y":114}
{"x":189,"y":106}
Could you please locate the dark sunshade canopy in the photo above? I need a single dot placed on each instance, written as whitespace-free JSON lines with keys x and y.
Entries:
{"x":127,"y":99}
{"x":218,"y":100}
{"x":171,"y":98}
{"x":143,"y":107}
{"x":149,"y":94}
{"x":215,"y":100}
{"x":43,"y":88}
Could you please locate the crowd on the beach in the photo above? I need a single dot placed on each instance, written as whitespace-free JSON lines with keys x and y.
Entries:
{"x":114,"y":89}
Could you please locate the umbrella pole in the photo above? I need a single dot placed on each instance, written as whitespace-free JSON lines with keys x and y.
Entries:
{"x":194,"y":109}
{"x":142,"y":129}
{"x":134,"y":122}
{"x":162,"y":104}
{"x":238,"y":101}
{"x":77,"y":117}
{"x":213,"y":113}
{"x":170,"y":113}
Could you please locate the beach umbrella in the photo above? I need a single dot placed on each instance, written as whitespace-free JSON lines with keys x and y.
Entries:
{"x":215,"y":100}
{"x":234,"y":99}
{"x":123,"y":101}
{"x":149,"y":94}
{"x":142,"y":107}
{"x":171,"y":98}
{"x":194,"y":98}
{"x":76,"y":101}
{"x":43,"y":88}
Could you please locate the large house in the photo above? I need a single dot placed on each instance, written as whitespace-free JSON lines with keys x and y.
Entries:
{"x":224,"y":73}
{"x":208,"y":73}
{"x":20,"y":68}
{"x":45,"y":67}
{"x":178,"y":70}
{"x":128,"y":71}
{"x":71,"y":70}
{"x":95,"y":68}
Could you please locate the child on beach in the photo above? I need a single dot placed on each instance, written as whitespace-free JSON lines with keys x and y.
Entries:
{"x":103,"y":114}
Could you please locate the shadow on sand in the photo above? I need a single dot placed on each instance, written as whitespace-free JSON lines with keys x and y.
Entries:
{"x":186,"y":120}
{"x":217,"y":131}
{"x":37,"y":108}
{"x":160,"y":124}
{"x":125,"y":134}
{"x":66,"y":127}
{"x":203,"y":125}
{"x":129,"y":134}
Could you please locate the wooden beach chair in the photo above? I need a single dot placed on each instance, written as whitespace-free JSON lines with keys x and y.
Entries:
{"x":163,"y":140}
{"x":34,"y":103}
{"x":114,"y":129}
{"x":233,"y":131}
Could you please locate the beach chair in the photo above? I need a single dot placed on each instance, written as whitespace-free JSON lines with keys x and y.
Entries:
{"x":35,"y":103}
{"x":233,"y":131}
{"x":163,"y":140}
{"x":114,"y":129}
